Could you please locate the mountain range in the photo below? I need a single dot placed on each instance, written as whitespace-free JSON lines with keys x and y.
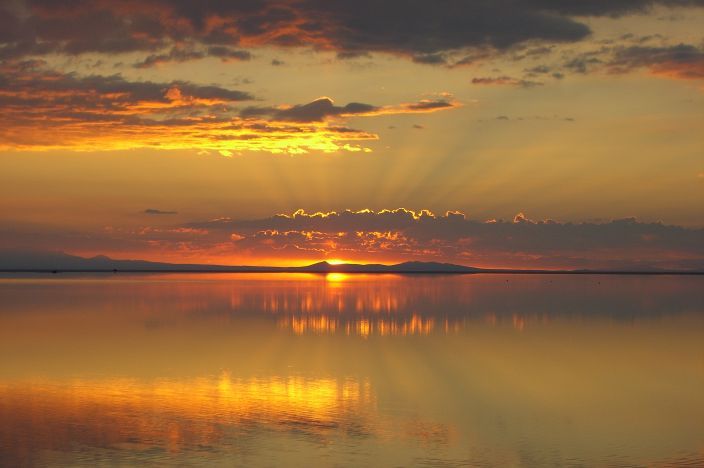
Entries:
{"x":63,"y":262}
{"x":57,"y":262}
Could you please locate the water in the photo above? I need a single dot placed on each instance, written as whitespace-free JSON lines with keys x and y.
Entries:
{"x":330,"y":370}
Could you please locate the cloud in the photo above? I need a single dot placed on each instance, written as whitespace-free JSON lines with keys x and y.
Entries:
{"x":175,"y":55}
{"x":611,"y":8}
{"x":431,"y":59}
{"x":402,"y":234}
{"x":505,"y":81}
{"x":45,"y":109}
{"x":180,"y":55}
{"x":387,"y":236}
{"x":676,"y":61}
{"x":538,"y":70}
{"x":226,"y":54}
{"x":30,"y":79}
{"x":349,"y":55}
{"x":420,"y":30}
{"x":428,"y":105}
{"x":585,"y":62}
{"x":681,"y":61}
{"x":153,"y":211}
{"x":324,"y":108}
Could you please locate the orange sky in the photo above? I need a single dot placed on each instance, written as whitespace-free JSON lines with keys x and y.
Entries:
{"x":128,"y":127}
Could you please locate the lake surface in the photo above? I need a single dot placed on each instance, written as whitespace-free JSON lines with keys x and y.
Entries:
{"x":350,"y":370}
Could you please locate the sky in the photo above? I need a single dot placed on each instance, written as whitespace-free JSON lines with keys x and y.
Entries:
{"x":504,"y":133}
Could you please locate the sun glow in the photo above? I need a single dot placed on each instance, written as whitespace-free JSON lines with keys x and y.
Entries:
{"x":335,"y":261}
{"x":336,"y":277}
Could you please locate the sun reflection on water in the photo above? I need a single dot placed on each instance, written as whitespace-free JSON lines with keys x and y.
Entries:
{"x":173,"y":414}
{"x":471,"y":370}
{"x":322,"y":324}
{"x":336,"y":277}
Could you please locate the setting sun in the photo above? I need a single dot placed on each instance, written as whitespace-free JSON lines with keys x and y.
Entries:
{"x":335,"y":261}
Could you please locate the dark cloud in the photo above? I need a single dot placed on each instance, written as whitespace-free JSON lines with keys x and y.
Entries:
{"x":430,"y":59}
{"x":423,"y":29}
{"x":175,"y":55}
{"x":30,"y":79}
{"x":74,"y":29}
{"x":394,"y":235}
{"x":611,"y":8}
{"x":538,"y":70}
{"x":320,"y":109}
{"x":429,"y":105}
{"x":227,"y":54}
{"x":418,"y":29}
{"x":153,"y":211}
{"x":44,"y":108}
{"x":406,"y":234}
{"x":505,"y":81}
{"x":179,"y":55}
{"x":473,"y":58}
{"x":679,"y":61}
{"x":538,"y":51}
{"x":324,"y":108}
{"x":682,"y":61}
{"x":350,"y":55}
{"x":584,"y":62}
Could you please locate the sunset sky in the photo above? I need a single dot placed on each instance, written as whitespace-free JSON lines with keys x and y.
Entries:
{"x":497,"y":133}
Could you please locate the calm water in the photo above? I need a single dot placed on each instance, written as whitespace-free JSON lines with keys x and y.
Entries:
{"x":347,"y":370}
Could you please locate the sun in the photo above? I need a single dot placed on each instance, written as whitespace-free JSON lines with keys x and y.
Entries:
{"x":335,"y":261}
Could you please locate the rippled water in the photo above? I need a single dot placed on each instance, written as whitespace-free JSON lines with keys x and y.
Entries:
{"x":381,"y":370}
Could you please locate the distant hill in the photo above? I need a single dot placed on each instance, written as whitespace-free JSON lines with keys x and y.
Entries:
{"x":406,"y":267}
{"x":57,"y":262}
{"x":60,"y":261}
{"x":18,"y":260}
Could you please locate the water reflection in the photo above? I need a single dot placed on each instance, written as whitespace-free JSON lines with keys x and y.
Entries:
{"x":364,"y":326}
{"x":176,"y":415}
{"x":351,"y":369}
{"x":109,"y":407}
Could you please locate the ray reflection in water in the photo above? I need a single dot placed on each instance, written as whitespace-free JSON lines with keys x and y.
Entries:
{"x":177,"y":415}
{"x":364,"y":326}
{"x":351,"y":369}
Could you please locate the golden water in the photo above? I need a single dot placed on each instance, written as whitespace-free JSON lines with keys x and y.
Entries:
{"x":376,"y":370}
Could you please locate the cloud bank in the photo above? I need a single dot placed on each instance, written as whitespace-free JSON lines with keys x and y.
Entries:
{"x":389,"y":236}
{"x":418,"y":29}
{"x":49,"y":109}
{"x":521,"y":242}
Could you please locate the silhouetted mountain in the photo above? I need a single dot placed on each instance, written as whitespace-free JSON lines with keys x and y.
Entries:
{"x":431,"y":266}
{"x":406,"y":267}
{"x":18,"y":261}
{"x":60,"y":261}
{"x":22,"y":260}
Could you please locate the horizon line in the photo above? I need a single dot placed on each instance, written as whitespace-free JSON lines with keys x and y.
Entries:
{"x":322,"y":266}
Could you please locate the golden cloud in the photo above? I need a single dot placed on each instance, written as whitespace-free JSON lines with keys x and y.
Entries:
{"x":45,"y":109}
